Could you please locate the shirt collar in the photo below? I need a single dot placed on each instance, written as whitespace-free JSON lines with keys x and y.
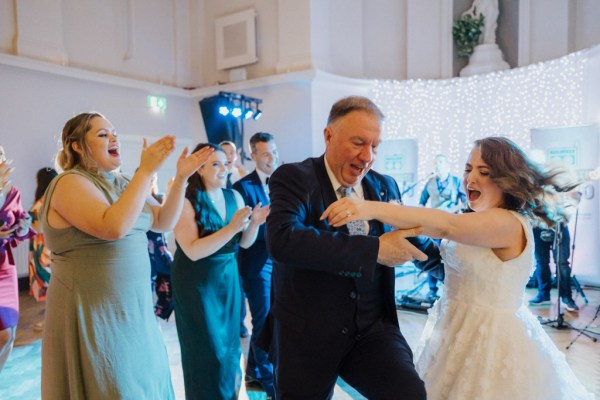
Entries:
{"x":358,"y":189}
{"x":262,"y":176}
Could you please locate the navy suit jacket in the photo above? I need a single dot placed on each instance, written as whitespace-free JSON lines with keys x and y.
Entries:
{"x":315,"y":264}
{"x":252,"y":259}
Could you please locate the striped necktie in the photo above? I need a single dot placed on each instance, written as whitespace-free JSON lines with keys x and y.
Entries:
{"x":354,"y":227}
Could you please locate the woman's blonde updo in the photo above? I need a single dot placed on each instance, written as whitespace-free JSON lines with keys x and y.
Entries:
{"x":74,"y":131}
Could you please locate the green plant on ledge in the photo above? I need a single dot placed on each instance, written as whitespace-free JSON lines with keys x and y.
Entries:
{"x":466,"y":32}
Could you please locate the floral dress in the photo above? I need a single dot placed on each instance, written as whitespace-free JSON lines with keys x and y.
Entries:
{"x":39,"y":259}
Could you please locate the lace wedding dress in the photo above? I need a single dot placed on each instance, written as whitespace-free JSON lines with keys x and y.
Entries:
{"x":481,"y":341}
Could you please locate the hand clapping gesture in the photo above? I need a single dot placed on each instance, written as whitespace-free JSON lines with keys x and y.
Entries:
{"x":187,"y":165}
{"x":240,"y":219}
{"x":260,"y":213}
{"x":154,"y":155}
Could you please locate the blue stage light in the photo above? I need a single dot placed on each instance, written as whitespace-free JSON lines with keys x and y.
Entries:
{"x":223,"y":110}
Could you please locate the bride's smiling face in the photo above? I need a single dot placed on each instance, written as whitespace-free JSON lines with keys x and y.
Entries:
{"x":482,"y":192}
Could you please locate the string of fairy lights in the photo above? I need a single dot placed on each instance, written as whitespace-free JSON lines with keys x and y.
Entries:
{"x":446,"y":116}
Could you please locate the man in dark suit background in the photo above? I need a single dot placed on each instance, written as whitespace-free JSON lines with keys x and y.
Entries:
{"x":254,"y":263}
{"x":333,"y":309}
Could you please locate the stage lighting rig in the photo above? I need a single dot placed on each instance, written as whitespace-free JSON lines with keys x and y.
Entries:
{"x":239,"y":106}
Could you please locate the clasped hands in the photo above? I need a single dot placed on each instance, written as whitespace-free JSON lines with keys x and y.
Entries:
{"x":394,"y":249}
{"x":246,"y":215}
{"x":19,"y":229}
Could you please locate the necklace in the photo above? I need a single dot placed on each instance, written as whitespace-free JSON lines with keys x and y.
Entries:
{"x":215,"y":196}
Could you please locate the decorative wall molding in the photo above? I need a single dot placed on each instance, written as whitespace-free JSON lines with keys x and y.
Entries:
{"x":42,"y":50}
{"x":77,"y":73}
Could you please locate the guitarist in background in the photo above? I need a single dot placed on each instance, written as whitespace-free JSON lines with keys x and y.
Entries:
{"x":443,"y":191}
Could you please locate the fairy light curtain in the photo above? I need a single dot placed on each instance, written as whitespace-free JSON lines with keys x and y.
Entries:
{"x":446,"y":116}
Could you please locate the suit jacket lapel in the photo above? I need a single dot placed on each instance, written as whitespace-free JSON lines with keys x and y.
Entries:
{"x":327,"y":191}
{"x":258,"y":187}
{"x":373,"y":190}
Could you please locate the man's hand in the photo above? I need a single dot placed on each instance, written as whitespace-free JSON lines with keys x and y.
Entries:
{"x":394,"y":249}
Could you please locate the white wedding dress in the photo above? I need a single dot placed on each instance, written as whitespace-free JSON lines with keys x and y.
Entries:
{"x":481,"y":341}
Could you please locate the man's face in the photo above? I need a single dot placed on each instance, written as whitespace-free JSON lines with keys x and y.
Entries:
{"x":442,"y":169}
{"x":351,"y":145}
{"x":265,"y":156}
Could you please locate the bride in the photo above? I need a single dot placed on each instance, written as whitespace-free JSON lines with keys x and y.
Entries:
{"x":480,"y":340}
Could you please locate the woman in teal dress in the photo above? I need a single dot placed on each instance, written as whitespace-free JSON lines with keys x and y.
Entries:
{"x":205,"y":279}
{"x":101,"y":339}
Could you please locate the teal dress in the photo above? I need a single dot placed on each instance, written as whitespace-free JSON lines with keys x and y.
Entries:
{"x":207,"y":300}
{"x":101,"y":339}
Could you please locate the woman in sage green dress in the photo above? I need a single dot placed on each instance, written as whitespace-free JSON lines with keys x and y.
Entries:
{"x":101,"y":339}
{"x":205,"y":279}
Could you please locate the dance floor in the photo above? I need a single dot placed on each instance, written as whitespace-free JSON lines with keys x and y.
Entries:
{"x":20,"y":378}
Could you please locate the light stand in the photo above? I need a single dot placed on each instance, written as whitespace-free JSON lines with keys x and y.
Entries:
{"x":559,"y":322}
{"x":573,"y":277}
{"x":585,"y":329}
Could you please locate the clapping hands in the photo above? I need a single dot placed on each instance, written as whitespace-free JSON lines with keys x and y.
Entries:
{"x":187,"y":165}
{"x":246,"y":215}
{"x":260,"y":213}
{"x":154,"y":155}
{"x":240,"y":219}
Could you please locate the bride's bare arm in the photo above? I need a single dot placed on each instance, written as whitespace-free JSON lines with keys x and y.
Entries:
{"x":495,"y":228}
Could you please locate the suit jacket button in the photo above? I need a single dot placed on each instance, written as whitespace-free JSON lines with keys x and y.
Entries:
{"x":344,"y":331}
{"x":353,"y":295}
{"x":358,"y":336}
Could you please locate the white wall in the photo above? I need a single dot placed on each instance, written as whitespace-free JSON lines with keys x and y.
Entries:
{"x":384,"y":42}
{"x":266,"y":35}
{"x":32,"y":116}
{"x":587,"y":28}
{"x":174,"y":42}
{"x":7,"y":25}
{"x":149,"y":40}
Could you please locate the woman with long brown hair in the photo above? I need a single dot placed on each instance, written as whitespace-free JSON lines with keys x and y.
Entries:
{"x":205,"y":279}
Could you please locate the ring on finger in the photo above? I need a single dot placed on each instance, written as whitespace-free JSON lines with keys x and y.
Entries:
{"x":348,"y":213}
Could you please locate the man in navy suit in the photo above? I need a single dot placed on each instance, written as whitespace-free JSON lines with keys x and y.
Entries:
{"x":254,"y":262}
{"x":333,"y":308}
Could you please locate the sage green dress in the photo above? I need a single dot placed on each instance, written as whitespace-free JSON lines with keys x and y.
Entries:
{"x":207,"y":301}
{"x":101,"y":339}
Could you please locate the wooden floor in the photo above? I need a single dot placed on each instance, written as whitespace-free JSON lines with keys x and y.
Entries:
{"x":20,"y":378}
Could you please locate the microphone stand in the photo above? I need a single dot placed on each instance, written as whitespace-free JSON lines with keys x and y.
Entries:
{"x":412,"y":186}
{"x":573,"y":277}
{"x":559,"y":322}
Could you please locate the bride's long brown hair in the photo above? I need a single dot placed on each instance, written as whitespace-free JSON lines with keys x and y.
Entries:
{"x":527,"y":187}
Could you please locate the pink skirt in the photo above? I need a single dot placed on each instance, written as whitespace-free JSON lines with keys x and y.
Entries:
{"x":9,"y":292}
